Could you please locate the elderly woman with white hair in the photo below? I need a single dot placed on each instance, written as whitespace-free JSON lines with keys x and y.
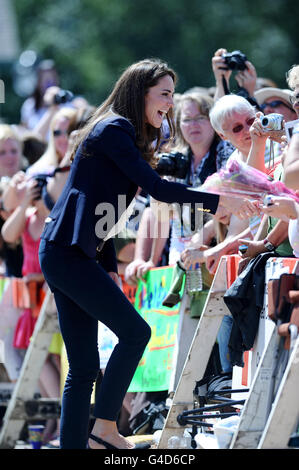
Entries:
{"x":293,"y":82}
{"x":236,"y":120}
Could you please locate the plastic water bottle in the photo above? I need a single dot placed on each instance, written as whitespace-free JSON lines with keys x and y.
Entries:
{"x":176,"y":442}
{"x":157,"y":436}
{"x":194,"y":279}
{"x":173,"y":442}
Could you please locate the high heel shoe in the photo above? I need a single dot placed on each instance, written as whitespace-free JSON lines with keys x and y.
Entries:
{"x":139,"y":445}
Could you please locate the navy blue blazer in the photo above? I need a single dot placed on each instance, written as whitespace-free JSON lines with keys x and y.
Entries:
{"x":114,"y":166}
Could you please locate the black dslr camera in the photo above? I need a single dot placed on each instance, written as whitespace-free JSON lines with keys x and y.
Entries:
{"x":173,"y":164}
{"x":63,"y":96}
{"x":41,"y":180}
{"x":235,"y":60}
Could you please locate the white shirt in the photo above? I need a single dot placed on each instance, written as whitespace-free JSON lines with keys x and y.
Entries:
{"x":294,"y":236}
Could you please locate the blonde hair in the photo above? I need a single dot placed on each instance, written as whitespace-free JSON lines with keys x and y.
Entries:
{"x":293,"y":77}
{"x":221,"y":231}
{"x":50,"y":157}
{"x":7,"y":132}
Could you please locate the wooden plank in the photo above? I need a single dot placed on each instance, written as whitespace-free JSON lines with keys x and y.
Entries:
{"x":255,"y":410}
{"x":186,"y":329}
{"x":284,"y":416}
{"x":198,"y":355}
{"x":258,"y":405}
{"x":24,"y":389}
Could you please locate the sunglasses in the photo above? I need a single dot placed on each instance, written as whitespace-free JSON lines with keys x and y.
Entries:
{"x":274,"y":104}
{"x":240,"y":127}
{"x":58,"y":133}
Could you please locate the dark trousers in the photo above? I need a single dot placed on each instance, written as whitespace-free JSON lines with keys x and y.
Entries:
{"x":85,"y":294}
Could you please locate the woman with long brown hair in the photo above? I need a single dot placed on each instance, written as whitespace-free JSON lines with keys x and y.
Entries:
{"x":111,"y":159}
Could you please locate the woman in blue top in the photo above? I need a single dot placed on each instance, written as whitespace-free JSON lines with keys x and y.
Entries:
{"x":113,"y":156}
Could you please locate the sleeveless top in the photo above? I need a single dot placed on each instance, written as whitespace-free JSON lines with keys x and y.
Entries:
{"x":30,"y":250}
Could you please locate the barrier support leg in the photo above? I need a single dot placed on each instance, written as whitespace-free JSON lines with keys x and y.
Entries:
{"x":199,"y":353}
{"x":25,"y":387}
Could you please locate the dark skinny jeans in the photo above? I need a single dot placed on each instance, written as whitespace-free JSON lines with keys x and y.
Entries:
{"x":85,"y":294}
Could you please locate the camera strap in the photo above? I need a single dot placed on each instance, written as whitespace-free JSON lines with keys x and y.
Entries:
{"x":271,"y":158}
{"x":241,"y":92}
{"x":225,"y":85}
{"x":61,"y":169}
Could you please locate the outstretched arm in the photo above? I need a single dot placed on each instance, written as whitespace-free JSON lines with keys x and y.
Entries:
{"x":15,"y":224}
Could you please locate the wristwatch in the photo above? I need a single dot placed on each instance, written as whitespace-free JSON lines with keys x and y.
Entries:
{"x":268,"y":245}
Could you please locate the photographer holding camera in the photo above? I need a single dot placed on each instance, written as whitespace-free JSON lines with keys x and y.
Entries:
{"x":62,"y":124}
{"x":38,"y":109}
{"x":34,"y":107}
{"x":276,"y":101}
{"x":224,"y":63}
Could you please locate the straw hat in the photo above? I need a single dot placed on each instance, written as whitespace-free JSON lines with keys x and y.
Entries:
{"x":268,"y":92}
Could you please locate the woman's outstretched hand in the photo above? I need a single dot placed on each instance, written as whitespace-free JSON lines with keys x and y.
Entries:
{"x":242,"y":208}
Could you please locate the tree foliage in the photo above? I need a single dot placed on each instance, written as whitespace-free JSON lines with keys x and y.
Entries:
{"x":92,"y":41}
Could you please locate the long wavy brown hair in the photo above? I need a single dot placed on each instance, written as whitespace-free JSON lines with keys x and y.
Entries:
{"x":127,"y":99}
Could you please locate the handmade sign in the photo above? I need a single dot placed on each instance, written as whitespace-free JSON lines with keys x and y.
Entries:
{"x":155,"y":367}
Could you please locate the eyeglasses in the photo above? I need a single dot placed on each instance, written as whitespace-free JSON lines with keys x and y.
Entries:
{"x":195,"y":119}
{"x":294,"y":98}
{"x":240,"y":127}
{"x":274,"y":104}
{"x":58,"y":133}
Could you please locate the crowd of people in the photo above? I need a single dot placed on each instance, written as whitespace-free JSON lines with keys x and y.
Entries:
{"x":212,"y":127}
{"x":234,"y":122}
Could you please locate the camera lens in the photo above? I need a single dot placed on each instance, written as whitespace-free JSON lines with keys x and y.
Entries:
{"x":233,"y":64}
{"x":63,"y":96}
{"x":265,"y":121}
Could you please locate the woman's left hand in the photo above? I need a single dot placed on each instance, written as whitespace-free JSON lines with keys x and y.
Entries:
{"x":247,"y":78}
{"x":277,"y":136}
{"x":259,"y":134}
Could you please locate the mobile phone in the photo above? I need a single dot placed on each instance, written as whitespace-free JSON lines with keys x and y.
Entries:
{"x":243,"y":248}
{"x":268,"y":200}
